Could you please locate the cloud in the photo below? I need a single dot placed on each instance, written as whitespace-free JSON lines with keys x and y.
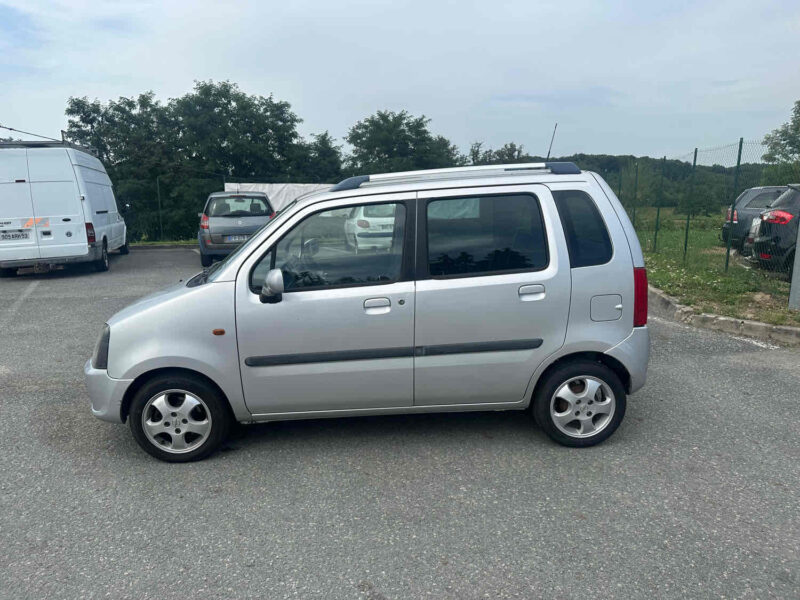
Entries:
{"x":624,"y":76}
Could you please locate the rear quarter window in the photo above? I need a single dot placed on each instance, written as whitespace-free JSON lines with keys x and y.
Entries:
{"x":588,"y":241}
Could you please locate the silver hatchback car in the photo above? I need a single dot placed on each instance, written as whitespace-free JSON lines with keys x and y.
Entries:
{"x":507,"y":287}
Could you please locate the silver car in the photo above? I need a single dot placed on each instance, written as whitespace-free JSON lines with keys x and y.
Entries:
{"x":228,"y":219}
{"x":509,"y":287}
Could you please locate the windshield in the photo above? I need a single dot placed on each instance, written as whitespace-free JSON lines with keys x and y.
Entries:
{"x":238,"y":206}
{"x":211,"y":272}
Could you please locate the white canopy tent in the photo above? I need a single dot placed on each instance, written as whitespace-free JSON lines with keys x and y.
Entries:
{"x":279,"y":194}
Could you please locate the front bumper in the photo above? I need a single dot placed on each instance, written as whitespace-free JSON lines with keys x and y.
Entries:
{"x":634,"y":353}
{"x":105,"y":393}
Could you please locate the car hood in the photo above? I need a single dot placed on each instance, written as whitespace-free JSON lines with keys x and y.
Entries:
{"x":146,"y":303}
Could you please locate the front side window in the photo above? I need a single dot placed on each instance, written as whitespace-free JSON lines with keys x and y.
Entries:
{"x":588,"y":241}
{"x":485,"y":235}
{"x":337,"y":248}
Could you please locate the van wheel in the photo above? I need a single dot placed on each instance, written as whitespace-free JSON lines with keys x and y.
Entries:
{"x":8,"y":272}
{"x":124,"y":249}
{"x":102,"y":263}
{"x":179,"y":418}
{"x":206,"y":260}
{"x":579,"y":403}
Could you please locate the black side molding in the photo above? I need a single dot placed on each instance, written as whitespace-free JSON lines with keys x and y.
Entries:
{"x":379,"y":353}
{"x":319,"y":357}
{"x":477,"y":347}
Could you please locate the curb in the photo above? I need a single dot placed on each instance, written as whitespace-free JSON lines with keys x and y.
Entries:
{"x":668,"y":307}
{"x":160,"y":246}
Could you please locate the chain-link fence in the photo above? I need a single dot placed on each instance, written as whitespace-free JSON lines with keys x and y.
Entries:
{"x":718,"y":227}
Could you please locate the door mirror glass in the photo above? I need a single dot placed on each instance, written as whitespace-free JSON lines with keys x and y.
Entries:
{"x":272,"y":290}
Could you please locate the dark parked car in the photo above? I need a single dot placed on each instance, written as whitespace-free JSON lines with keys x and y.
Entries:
{"x":747,"y":207}
{"x":775,"y":241}
{"x":229,"y":219}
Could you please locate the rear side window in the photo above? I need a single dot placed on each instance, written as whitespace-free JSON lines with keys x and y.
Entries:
{"x":587,"y":237}
{"x":763,"y":199}
{"x":485,"y":235}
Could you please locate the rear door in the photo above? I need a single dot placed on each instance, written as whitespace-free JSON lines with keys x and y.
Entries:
{"x":17,"y":222}
{"x":56,"y":203}
{"x":493,"y":292}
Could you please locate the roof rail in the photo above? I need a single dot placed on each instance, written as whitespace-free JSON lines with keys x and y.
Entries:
{"x":557,"y":168}
{"x":47,"y":144}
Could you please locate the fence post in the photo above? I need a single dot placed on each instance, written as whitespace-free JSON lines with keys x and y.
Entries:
{"x":733,"y":203}
{"x":635,"y":192}
{"x":619,"y":185}
{"x":160,"y":222}
{"x":794,"y":290}
{"x":660,"y":201}
{"x":689,"y":207}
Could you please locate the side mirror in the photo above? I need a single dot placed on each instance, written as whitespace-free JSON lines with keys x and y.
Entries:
{"x":272,"y":290}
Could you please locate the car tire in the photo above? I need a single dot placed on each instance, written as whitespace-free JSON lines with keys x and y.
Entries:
{"x":206,"y":260}
{"x":5,"y":272}
{"x":124,"y":249}
{"x":196,"y":405}
{"x":579,"y":403}
{"x":101,"y":265}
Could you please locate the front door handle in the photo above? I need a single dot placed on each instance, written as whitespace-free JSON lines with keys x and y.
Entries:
{"x":377,"y":306}
{"x":534,"y":291}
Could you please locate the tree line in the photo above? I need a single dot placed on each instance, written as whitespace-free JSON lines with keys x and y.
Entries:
{"x":173,"y":154}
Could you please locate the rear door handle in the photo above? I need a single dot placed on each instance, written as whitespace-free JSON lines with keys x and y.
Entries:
{"x":377,"y":306}
{"x":534,"y":291}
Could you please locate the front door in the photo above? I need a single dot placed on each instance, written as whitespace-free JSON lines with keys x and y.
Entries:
{"x":493,"y":293}
{"x":342,"y":335}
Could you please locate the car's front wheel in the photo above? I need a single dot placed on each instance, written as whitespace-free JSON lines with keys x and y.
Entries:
{"x":4,"y":272}
{"x":579,"y":403}
{"x":205,"y":260}
{"x":179,"y":418}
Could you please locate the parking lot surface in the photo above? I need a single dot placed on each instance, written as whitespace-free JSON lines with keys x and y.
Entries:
{"x":697,"y":495}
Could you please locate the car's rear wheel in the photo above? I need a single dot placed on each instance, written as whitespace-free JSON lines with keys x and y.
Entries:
{"x":102,"y":264}
{"x":206,"y":260}
{"x":579,"y":403}
{"x":179,"y":418}
{"x":124,"y":249}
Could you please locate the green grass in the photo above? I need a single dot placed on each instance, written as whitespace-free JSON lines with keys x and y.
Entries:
{"x":743,"y":292}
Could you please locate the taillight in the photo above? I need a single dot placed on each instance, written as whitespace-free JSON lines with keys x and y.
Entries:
{"x":90,"y":233}
{"x":778,"y":217}
{"x":204,"y":221}
{"x":735,"y":216}
{"x":639,"y":296}
{"x":764,"y":256}
{"x":363,"y":224}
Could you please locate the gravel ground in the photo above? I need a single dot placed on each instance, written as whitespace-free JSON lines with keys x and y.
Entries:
{"x":695,"y":496}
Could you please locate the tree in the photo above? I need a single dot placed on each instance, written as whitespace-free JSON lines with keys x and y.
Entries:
{"x":397,"y":141}
{"x":783,"y":144}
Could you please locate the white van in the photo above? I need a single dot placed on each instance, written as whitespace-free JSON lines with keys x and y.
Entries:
{"x":56,"y":207}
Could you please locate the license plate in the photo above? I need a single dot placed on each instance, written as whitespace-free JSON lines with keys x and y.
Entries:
{"x":14,"y":235}
{"x":754,"y":226}
{"x":235,"y":238}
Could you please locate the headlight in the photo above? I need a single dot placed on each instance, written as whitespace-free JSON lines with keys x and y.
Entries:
{"x":100,"y":356}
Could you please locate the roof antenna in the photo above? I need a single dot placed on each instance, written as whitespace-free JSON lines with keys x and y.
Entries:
{"x":551,"y":142}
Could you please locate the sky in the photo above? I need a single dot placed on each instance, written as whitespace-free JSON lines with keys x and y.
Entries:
{"x":645,"y":78}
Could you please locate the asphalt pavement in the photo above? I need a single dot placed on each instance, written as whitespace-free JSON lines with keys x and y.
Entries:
{"x":697,"y":495}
